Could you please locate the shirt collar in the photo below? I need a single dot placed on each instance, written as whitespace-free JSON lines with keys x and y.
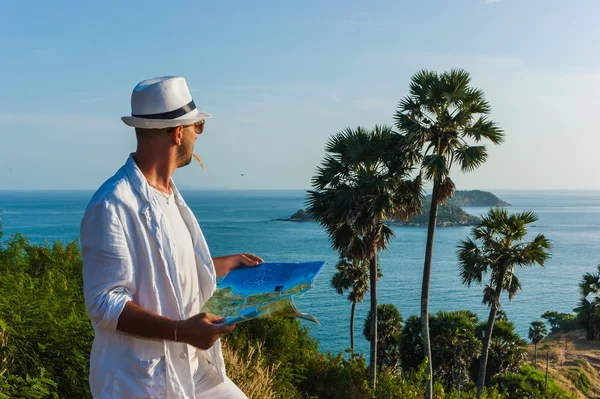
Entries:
{"x":141,"y":185}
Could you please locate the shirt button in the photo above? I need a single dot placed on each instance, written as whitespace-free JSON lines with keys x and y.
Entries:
{"x":183,"y":355}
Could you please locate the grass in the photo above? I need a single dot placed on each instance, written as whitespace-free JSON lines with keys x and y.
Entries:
{"x":574,"y":362}
{"x":250,"y":372}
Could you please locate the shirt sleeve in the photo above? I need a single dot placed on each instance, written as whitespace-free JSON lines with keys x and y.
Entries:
{"x":108,"y":275}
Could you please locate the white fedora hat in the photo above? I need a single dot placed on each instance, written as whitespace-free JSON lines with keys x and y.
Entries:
{"x":162,"y":103}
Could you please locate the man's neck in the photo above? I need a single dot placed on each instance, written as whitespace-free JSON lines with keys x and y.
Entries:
{"x":156,"y":168}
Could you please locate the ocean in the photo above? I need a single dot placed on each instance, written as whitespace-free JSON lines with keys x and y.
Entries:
{"x":240,"y":221}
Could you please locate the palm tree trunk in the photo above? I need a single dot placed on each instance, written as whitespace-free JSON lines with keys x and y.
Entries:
{"x":425,"y":288}
{"x":373,"y":354}
{"x":547,"y":359}
{"x":535,"y":355}
{"x":352,"y":326}
{"x":488,"y":337}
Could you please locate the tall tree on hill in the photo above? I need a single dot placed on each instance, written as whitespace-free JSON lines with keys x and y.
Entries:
{"x":389,"y":330}
{"x":537,"y":333}
{"x":588,"y":311}
{"x":360,"y":185}
{"x":441,"y":115}
{"x":502,"y":249}
{"x":353,"y":277}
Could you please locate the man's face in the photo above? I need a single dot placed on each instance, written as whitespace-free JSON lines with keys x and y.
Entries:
{"x":186,"y":149}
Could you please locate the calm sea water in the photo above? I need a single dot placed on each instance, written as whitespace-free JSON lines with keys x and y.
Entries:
{"x":235,"y":221}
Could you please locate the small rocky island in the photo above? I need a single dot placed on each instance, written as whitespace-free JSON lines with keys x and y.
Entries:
{"x":449,"y":214}
{"x":300,"y":216}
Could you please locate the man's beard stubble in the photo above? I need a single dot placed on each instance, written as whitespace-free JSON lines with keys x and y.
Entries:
{"x":185,"y":155}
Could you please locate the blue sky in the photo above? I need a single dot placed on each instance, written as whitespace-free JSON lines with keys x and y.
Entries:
{"x":281,"y":77}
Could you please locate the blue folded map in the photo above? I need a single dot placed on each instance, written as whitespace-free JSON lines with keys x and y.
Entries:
{"x":266,"y":290}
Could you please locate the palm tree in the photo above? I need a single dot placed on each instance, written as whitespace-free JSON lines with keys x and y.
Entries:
{"x":441,"y":114}
{"x":502,"y":249}
{"x":537,"y":333}
{"x":588,"y":311}
{"x":354,"y":277}
{"x":360,"y":185}
{"x":389,"y":330}
{"x":454,"y":346}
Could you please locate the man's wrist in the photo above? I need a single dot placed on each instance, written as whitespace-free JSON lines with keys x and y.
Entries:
{"x":181,"y":331}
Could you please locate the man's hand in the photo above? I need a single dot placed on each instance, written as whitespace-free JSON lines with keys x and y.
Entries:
{"x":225,"y":264}
{"x":202,"y":330}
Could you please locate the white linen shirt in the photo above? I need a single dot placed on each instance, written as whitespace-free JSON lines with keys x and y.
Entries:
{"x":129,"y":255}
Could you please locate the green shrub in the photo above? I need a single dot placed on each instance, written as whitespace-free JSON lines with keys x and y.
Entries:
{"x":580,"y":379}
{"x":528,"y":383}
{"x":336,"y":377}
{"x":46,"y":334}
{"x":561,"y":322}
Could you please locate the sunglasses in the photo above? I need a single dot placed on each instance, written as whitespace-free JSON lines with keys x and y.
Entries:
{"x":198,"y":127}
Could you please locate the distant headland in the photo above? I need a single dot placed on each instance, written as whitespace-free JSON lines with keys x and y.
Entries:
{"x":475,"y":198}
{"x":450,"y":214}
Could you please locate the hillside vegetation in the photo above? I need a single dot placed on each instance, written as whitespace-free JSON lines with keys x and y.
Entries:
{"x":476,"y":198}
{"x":574,"y":362}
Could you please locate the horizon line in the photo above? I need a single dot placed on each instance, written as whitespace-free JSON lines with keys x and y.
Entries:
{"x":187,"y":188}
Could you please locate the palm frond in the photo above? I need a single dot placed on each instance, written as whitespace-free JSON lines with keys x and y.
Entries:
{"x":470,"y":157}
{"x":435,"y":167}
{"x":590,"y":284}
{"x":471,"y":262}
{"x":484,"y":128}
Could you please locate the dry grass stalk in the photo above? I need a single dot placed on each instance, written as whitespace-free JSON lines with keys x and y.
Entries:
{"x":199,"y":160}
{"x":250,"y":372}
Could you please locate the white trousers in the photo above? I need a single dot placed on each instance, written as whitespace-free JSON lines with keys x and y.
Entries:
{"x":209,"y":385}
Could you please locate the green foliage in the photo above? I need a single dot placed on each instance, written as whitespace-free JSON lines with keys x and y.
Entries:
{"x":442,"y":113}
{"x":443,"y":117}
{"x":584,"y":383}
{"x":39,"y":387}
{"x":476,"y":198}
{"x":529,"y":383}
{"x":336,"y":377}
{"x":537,"y":332}
{"x":359,"y":186}
{"x":456,"y":341}
{"x":496,"y":247}
{"x":507,"y":350}
{"x":411,"y":344}
{"x":46,"y":334}
{"x":588,"y":311}
{"x":389,"y":328}
{"x":454,"y":346}
{"x":353,"y":277}
{"x":363,"y":182}
{"x":580,"y":379}
{"x":560,"y":322}
{"x":408,"y":385}
{"x":448,"y":215}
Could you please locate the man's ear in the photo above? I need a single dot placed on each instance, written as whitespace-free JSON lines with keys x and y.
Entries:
{"x":177,"y":135}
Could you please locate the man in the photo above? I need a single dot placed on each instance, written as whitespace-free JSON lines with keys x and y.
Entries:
{"x":147,"y":269}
